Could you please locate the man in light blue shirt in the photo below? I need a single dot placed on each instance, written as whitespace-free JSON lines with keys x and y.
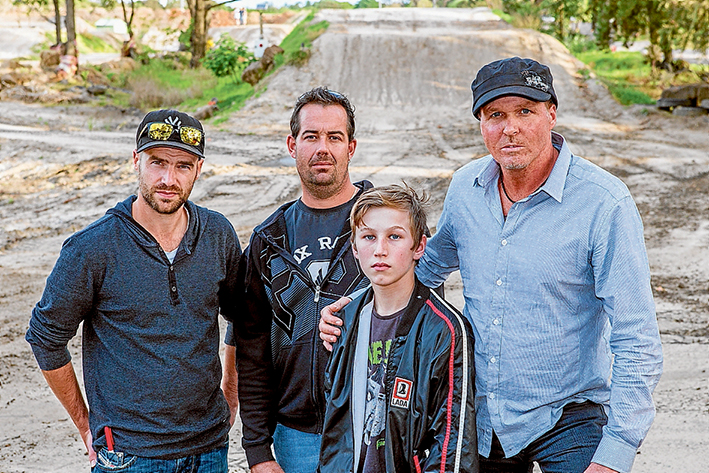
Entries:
{"x":556,"y":284}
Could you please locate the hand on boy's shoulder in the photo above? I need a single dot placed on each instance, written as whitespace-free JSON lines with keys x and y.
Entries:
{"x":267,"y":467}
{"x":596,"y":468}
{"x":329,"y":333}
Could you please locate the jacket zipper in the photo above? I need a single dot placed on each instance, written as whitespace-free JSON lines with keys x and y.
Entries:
{"x":316,"y":299}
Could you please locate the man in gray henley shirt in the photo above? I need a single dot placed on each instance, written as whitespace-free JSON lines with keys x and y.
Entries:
{"x":148,"y":281}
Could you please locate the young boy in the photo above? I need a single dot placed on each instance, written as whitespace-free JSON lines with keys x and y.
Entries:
{"x":400,"y":380}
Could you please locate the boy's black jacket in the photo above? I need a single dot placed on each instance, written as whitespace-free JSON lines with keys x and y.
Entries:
{"x":280,"y":357}
{"x":438,"y":425}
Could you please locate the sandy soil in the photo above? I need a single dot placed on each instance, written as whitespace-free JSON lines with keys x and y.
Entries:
{"x":408,"y":71}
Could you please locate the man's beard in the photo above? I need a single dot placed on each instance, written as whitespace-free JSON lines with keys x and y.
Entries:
{"x":322,"y":185}
{"x":160,"y":206}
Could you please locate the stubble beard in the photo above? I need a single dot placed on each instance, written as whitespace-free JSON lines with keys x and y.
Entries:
{"x":160,"y":206}
{"x":322,"y":185}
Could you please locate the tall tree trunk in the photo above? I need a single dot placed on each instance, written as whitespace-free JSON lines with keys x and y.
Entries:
{"x":199,"y":32}
{"x":654,"y":24}
{"x":57,"y":21}
{"x":71,"y":48}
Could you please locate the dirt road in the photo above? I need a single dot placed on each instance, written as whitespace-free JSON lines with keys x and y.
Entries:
{"x":408,"y":71}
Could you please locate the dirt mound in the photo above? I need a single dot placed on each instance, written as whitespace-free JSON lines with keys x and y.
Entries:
{"x":414,"y":62}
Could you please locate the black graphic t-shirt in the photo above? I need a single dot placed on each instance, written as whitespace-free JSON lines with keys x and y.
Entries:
{"x":313,"y":234}
{"x":381,"y":334}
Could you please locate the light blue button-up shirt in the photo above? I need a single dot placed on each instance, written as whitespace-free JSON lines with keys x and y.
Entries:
{"x":559,"y":297}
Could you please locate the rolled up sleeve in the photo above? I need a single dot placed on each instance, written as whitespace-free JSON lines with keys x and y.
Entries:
{"x":67,"y":299}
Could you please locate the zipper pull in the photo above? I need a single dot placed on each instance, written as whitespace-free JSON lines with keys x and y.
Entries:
{"x":317,"y":294}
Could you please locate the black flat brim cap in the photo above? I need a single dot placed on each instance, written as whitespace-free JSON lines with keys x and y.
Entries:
{"x":170,"y":144}
{"x":512,"y":76}
{"x":176,"y":119}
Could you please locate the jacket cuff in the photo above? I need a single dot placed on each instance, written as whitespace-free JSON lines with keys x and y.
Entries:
{"x":256,"y":454}
{"x":229,"y":338}
{"x":615,"y":454}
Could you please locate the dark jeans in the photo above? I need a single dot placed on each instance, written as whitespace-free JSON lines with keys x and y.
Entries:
{"x":209,"y":462}
{"x":567,"y":448}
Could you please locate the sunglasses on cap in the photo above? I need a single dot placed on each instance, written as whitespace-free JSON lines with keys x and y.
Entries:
{"x":162,"y":131}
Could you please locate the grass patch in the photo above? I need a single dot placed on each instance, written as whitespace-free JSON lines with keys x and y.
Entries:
{"x":627,"y":75}
{"x":231,"y":96}
{"x":88,"y":43}
{"x":297,"y":44}
{"x":161,"y":83}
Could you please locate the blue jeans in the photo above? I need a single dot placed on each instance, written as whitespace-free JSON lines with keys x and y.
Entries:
{"x":567,"y":448}
{"x":214,"y":461}
{"x":296,"y":451}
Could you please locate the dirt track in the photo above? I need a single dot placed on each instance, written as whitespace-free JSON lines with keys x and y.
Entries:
{"x":408,"y":71}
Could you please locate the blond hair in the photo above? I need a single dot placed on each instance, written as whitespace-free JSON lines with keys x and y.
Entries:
{"x":399,"y":197}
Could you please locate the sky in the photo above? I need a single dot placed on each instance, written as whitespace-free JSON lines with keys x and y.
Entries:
{"x":252,"y":4}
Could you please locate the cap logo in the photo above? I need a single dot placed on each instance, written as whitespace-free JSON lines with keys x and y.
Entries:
{"x":532,"y":79}
{"x":174,"y":121}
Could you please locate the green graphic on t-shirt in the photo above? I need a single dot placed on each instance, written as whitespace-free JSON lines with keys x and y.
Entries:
{"x":376,"y":357}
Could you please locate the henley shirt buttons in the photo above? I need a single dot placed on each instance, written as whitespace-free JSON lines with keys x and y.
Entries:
{"x":491,"y":395}
{"x":496,"y":322}
{"x":493,"y":359}
{"x":504,"y":242}
{"x":174,"y":288}
{"x":499,"y":282}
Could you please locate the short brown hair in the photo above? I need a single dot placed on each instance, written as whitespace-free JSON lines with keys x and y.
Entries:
{"x":399,"y":197}
{"x":322,"y":96}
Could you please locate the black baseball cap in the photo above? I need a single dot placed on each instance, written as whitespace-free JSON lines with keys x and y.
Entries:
{"x":512,"y":76}
{"x":178,"y":120}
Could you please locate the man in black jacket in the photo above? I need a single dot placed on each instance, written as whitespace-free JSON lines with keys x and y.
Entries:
{"x":298,"y":261}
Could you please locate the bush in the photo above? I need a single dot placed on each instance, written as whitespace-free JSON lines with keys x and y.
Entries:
{"x":578,"y":43}
{"x":228,"y":58}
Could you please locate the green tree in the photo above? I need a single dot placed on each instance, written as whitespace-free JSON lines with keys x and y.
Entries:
{"x":228,"y":58}
{"x":690,"y":18}
{"x":668,"y":24}
{"x":199,"y":25}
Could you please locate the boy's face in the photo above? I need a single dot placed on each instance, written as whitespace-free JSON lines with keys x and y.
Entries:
{"x":383,"y":245}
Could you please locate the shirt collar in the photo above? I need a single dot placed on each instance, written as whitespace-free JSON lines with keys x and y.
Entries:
{"x":554,"y":185}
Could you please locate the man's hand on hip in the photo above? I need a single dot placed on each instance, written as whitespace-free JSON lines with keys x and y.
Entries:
{"x":267,"y":467}
{"x":63,"y":383}
{"x":596,"y":468}
{"x":88,"y":443}
{"x":329,"y":322}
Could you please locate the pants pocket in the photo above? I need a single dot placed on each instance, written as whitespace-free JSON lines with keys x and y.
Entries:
{"x":113,"y":461}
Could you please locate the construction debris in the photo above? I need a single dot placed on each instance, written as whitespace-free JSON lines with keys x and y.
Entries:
{"x":685,"y":97}
{"x":256,"y":70}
